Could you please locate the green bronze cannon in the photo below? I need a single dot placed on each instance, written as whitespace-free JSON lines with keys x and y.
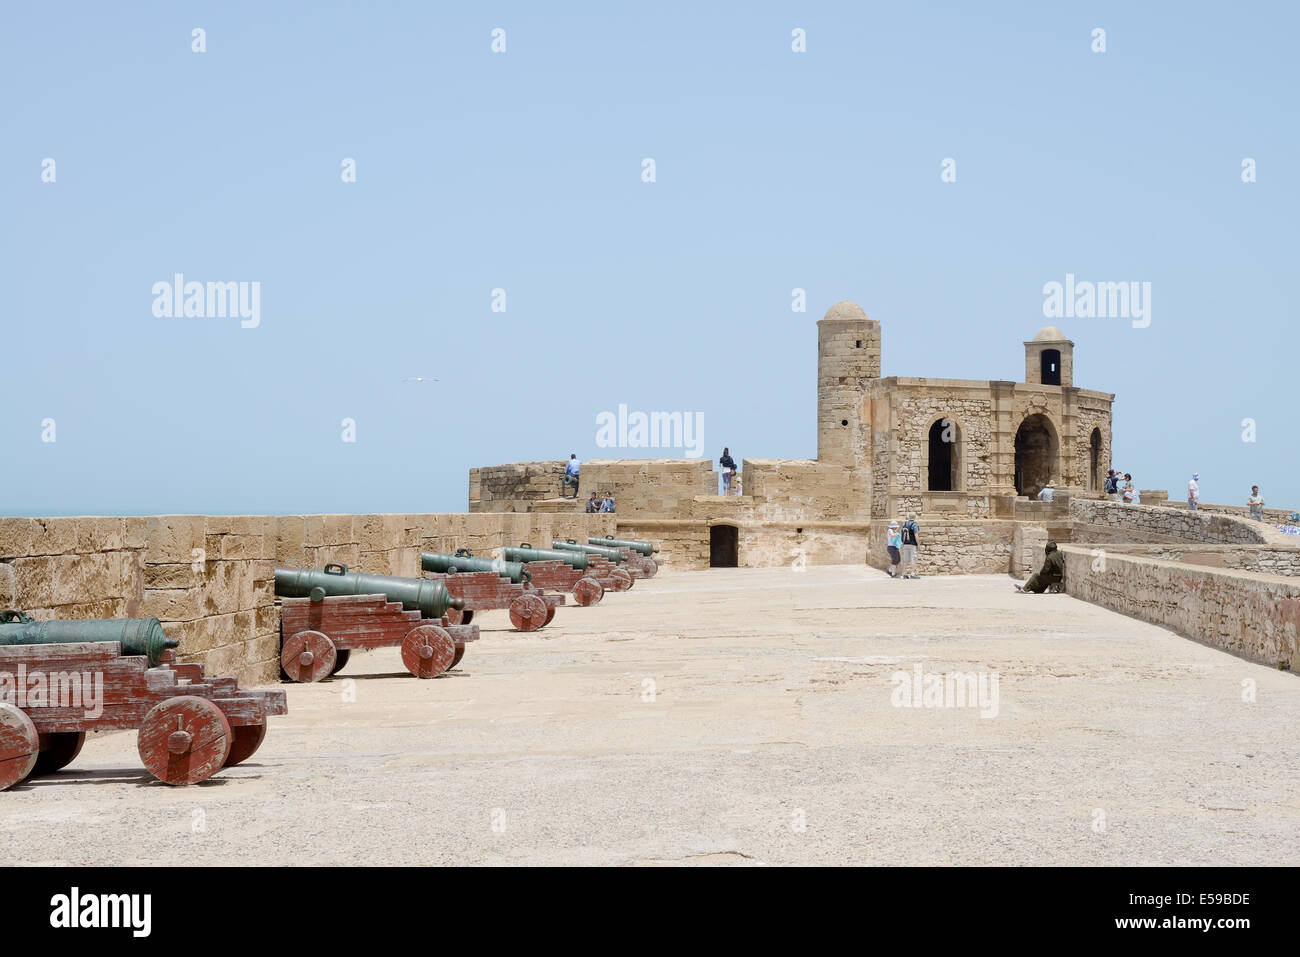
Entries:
{"x":644,"y":548}
{"x":634,"y":563}
{"x":597,"y":567}
{"x":569,"y":545}
{"x":464,"y":561}
{"x":526,"y":553}
{"x":431,"y":598}
{"x":137,"y":636}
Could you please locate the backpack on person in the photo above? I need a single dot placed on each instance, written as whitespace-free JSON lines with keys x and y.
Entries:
{"x":909,"y":532}
{"x":1111,"y":486}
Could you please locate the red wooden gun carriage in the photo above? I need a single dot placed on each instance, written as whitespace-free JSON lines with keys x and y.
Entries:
{"x":190,"y":726}
{"x":318,"y":636}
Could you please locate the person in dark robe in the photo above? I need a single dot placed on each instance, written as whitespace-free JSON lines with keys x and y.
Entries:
{"x":1052,"y":573}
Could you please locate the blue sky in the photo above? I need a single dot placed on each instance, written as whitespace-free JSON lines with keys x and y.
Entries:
{"x":522,"y":171}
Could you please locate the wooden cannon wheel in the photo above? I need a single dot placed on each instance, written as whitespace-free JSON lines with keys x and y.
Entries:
{"x":308,"y":656}
{"x":550,"y":613}
{"x":621,"y":578}
{"x":427,"y":651}
{"x":19,"y":745}
{"x":587,"y":591}
{"x":58,"y":750}
{"x":528,"y":613}
{"x":460,"y":653}
{"x":246,"y":739}
{"x":341,"y":656}
{"x":184,"y":740}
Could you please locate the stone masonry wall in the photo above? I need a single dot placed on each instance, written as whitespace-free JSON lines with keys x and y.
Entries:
{"x":954,"y":548}
{"x":1255,"y":616}
{"x":682,"y":545}
{"x":794,"y":490}
{"x":1273,"y":516}
{"x":210,"y":578}
{"x":662,"y":488}
{"x":653,"y":488}
{"x":1174,"y":523}
{"x":972,"y":418}
{"x":1265,"y":559}
{"x":1086,"y":420}
{"x":390,"y":544}
{"x":798,"y":547}
{"x":498,"y":488}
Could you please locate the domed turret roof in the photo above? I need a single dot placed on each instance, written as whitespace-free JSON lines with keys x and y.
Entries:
{"x":1050,"y":334}
{"x":844,"y":309}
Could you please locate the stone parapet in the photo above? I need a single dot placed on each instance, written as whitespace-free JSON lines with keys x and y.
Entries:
{"x":1252,"y":615}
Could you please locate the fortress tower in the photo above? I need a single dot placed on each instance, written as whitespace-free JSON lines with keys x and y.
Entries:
{"x":848,"y":355}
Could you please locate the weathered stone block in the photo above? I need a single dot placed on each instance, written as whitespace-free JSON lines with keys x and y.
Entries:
{"x":172,"y":539}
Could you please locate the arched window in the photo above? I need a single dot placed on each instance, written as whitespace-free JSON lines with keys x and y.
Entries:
{"x":1094,"y":460}
{"x":944,"y":458}
{"x":1051,"y":368}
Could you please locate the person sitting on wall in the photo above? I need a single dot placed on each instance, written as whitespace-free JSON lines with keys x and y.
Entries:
{"x":593,"y":503}
{"x":608,"y":504}
{"x":571,"y":475}
{"x":1047,"y":492}
{"x":1051,"y":577}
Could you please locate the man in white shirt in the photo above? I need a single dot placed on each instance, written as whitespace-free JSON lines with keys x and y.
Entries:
{"x":1047,"y":492}
{"x":1194,"y":491}
{"x":571,"y":471}
{"x":1256,"y":504}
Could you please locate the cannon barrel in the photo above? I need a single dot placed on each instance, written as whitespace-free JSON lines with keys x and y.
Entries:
{"x":643,"y":548}
{"x":137,"y":636}
{"x":429,"y":597}
{"x":460,"y":562}
{"x":526,"y":553}
{"x":613,"y":554}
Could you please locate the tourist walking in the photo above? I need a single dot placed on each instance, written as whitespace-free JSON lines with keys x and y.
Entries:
{"x":571,"y":474}
{"x":1256,"y":504}
{"x":911,"y":536}
{"x":728,"y":466}
{"x":1194,"y":491}
{"x":1048,"y":491}
{"x":893,"y":541}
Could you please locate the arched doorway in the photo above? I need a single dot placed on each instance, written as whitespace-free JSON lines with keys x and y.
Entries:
{"x":1094,"y":460}
{"x":724,"y":548}
{"x":1036,"y":453}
